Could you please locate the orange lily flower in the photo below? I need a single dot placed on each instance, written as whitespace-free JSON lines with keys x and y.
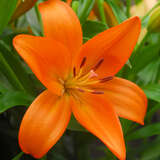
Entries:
{"x":80,"y":79}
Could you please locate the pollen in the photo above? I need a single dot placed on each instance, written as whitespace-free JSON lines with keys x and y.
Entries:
{"x":85,"y":82}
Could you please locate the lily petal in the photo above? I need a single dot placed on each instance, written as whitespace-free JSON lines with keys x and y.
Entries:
{"x":128,"y":100}
{"x":96,"y":114}
{"x":44,"y":123}
{"x":45,"y":57}
{"x":61,"y":23}
{"x":114,"y":46}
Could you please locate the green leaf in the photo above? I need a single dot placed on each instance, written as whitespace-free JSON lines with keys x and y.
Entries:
{"x":92,"y":28}
{"x":74,"y":125}
{"x":150,"y":73}
{"x":10,"y":75}
{"x":152,"y":91}
{"x":145,"y":55}
{"x":15,"y":66}
{"x":152,"y":152}
{"x":120,"y":15}
{"x":18,"y":156}
{"x":11,"y":99}
{"x":151,"y":112}
{"x":84,"y":9}
{"x":7,"y":8}
{"x":145,"y":132}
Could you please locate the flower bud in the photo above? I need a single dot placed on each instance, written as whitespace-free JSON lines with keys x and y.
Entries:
{"x":154,"y":21}
{"x":22,"y":7}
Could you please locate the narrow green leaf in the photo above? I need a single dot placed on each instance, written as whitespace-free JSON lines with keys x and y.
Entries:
{"x":101,"y":10}
{"x":7,"y":8}
{"x":152,"y":91}
{"x":145,"y":132}
{"x":10,"y":75}
{"x":120,"y":15}
{"x":128,"y":6}
{"x":18,"y":156}
{"x":84,"y":9}
{"x":15,"y":64}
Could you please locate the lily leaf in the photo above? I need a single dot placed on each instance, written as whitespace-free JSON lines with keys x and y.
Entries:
{"x":11,"y":99}
{"x":84,"y":9}
{"x":148,"y":131}
{"x":152,"y":91}
{"x":6,"y":10}
{"x":92,"y":28}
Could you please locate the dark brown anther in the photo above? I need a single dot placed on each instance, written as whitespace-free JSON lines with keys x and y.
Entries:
{"x":83,"y":62}
{"x":74,"y":71}
{"x":98,"y":64}
{"x":97,"y":92}
{"x":103,"y":80}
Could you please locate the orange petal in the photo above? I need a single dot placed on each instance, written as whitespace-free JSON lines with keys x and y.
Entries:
{"x":61,"y":23}
{"x":44,"y":123}
{"x":128,"y":100}
{"x":96,"y":114}
{"x":114,"y":45}
{"x":48,"y":59}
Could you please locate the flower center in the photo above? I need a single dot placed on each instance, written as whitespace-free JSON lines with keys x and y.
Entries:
{"x":85,"y":82}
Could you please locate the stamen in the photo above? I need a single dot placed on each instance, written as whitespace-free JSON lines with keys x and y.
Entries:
{"x":83,"y":62}
{"x":97,"y":92}
{"x":81,"y":90}
{"x":103,"y":80}
{"x":98,"y":64}
{"x":74,"y":71}
{"x":61,"y":81}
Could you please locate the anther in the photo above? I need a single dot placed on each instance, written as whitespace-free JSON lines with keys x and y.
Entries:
{"x":103,"y":80}
{"x":97,"y":92}
{"x":83,"y":62}
{"x":98,"y":64}
{"x":74,"y":71}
